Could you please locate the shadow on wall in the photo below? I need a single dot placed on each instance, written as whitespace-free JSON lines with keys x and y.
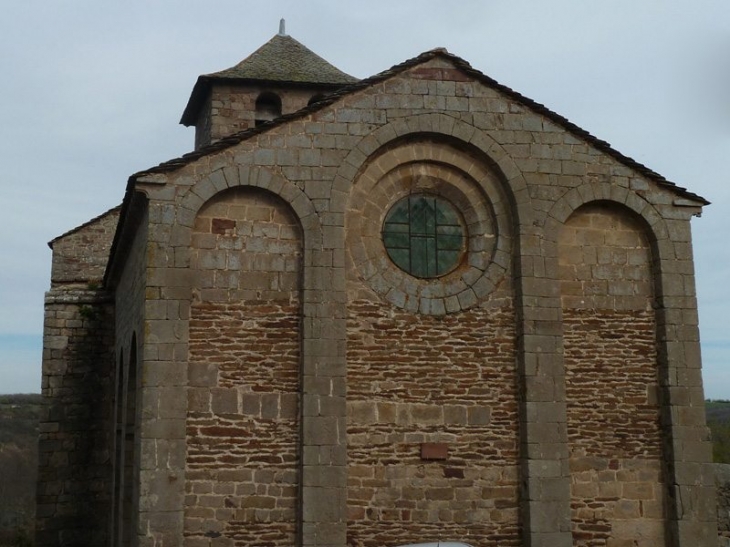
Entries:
{"x":722,"y":479}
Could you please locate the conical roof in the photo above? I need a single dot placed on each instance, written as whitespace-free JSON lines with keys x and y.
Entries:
{"x":281,"y":60}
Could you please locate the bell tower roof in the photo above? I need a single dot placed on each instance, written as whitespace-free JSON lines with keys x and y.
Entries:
{"x":281,"y":60}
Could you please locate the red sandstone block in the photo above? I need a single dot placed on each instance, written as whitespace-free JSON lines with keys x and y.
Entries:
{"x":434,"y":451}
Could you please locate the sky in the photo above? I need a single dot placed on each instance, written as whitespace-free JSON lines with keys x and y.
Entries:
{"x":92,"y":92}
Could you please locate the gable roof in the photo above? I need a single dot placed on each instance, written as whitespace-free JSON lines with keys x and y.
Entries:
{"x":85,"y":224}
{"x":281,"y":60}
{"x":463,"y":65}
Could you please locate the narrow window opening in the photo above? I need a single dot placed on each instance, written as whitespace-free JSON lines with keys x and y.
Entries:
{"x":268,"y":107}
{"x":118,"y":449}
{"x":127,"y":420}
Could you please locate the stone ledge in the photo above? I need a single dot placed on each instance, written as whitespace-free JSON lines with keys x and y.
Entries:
{"x":77,"y":296}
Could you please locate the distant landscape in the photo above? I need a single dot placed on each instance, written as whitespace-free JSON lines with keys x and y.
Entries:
{"x":19,"y":415}
{"x":718,"y":418}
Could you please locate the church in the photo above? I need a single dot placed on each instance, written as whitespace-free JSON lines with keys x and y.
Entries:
{"x":417,"y":307}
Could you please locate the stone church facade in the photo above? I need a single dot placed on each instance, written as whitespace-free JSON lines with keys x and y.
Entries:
{"x":414,"y":307}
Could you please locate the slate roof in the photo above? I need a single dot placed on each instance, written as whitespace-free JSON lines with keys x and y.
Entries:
{"x":281,"y":60}
{"x":458,"y":62}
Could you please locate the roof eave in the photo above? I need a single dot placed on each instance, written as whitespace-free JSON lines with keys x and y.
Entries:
{"x":124,"y":233}
{"x":196,"y":100}
{"x":84,"y":225}
{"x":469,"y":70}
{"x":205,"y":82}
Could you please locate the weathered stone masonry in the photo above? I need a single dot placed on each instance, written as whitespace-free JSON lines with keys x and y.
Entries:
{"x":614,"y":430}
{"x":397,"y":402}
{"x":243,"y":403}
{"x":76,"y":426}
{"x":289,"y":384}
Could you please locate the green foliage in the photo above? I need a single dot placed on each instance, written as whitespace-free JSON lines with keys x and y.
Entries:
{"x":718,"y":420}
{"x":88,"y":312}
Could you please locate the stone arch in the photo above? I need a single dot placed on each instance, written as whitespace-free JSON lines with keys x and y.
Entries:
{"x":430,"y":164}
{"x":601,"y":225}
{"x":403,"y":353}
{"x":254,"y":177}
{"x":316,"y":337}
{"x":657,"y":230}
{"x":656,"y":227}
{"x":244,"y":368}
{"x":612,"y":375}
{"x":445,"y":127}
{"x":251,"y":237}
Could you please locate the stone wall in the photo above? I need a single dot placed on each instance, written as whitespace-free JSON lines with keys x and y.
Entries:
{"x":129,"y":434}
{"x":433,"y":421}
{"x":243,"y":402}
{"x":74,"y":478}
{"x":230,"y":108}
{"x":419,"y":383}
{"x":722,"y":480}
{"x":612,"y":381}
{"x":81,"y":255}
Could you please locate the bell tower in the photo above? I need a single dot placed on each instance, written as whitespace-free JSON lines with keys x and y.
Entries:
{"x":280,"y":77}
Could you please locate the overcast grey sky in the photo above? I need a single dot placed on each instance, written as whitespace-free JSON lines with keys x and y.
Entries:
{"x":93,"y":91}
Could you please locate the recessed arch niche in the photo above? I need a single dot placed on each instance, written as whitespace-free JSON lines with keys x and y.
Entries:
{"x":243,"y":416}
{"x":612,"y":376}
{"x":431,"y":360}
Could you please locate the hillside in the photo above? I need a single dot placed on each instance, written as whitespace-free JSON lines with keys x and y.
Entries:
{"x":19,"y":416}
{"x":718,"y":410}
{"x":718,"y":418}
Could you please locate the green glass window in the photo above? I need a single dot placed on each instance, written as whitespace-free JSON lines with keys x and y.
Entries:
{"x":423,"y":235}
